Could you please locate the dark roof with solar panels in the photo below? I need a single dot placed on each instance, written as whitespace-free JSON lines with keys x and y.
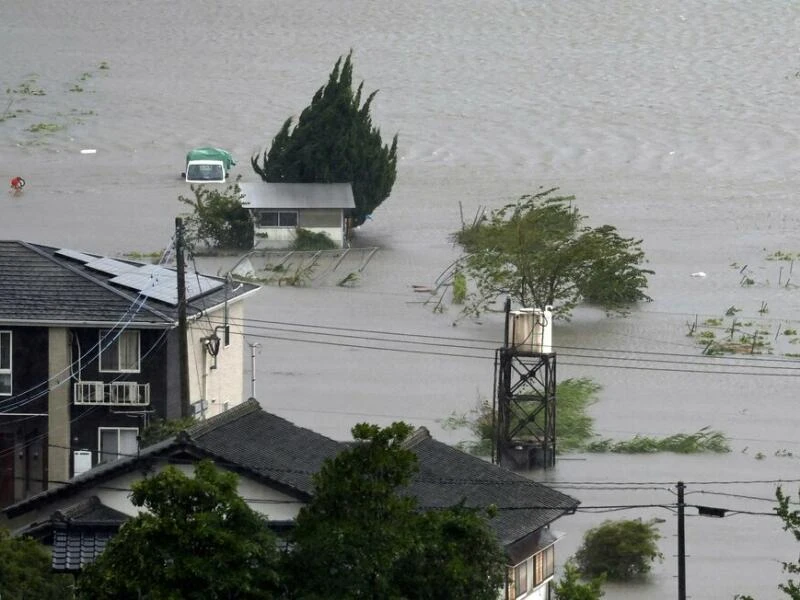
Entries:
{"x":50,"y":286}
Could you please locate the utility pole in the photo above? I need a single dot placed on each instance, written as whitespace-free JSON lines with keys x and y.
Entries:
{"x":681,"y":545}
{"x":183,"y":342}
{"x":253,"y":368}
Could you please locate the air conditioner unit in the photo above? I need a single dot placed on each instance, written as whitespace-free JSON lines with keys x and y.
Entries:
{"x":81,"y":462}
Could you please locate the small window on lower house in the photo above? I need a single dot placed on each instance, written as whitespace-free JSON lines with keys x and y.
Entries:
{"x":5,"y":363}
{"x":277,"y":218}
{"x":116,"y":442}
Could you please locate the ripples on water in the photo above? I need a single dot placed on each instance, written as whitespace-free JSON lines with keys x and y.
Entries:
{"x":677,"y":123}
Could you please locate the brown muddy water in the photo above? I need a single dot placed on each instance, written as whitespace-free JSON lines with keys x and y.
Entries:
{"x":676,"y":122}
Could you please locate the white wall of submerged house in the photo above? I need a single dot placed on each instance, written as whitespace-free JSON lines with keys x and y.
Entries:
{"x":217,"y":381}
{"x":115,"y":493}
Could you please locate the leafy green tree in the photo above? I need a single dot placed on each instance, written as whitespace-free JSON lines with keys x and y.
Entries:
{"x":334,"y":141}
{"x":360,"y":537}
{"x":539,"y":251}
{"x":570,"y":586}
{"x":161,"y":429}
{"x":219,"y":219}
{"x":25,"y":571}
{"x":458,"y":558}
{"x":198,"y":540}
{"x":620,"y":550}
{"x":791,"y":523}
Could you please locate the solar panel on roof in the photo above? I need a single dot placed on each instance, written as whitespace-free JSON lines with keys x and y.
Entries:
{"x":161,"y":284}
{"x":134,"y":280}
{"x":111,"y":266}
{"x":75,"y":255}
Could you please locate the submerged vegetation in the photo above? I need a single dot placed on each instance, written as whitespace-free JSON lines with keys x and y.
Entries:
{"x":21,"y":100}
{"x":575,"y":428}
{"x":704,"y":440}
{"x":309,"y":240}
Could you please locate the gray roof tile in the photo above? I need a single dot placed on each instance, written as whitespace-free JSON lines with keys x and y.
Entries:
{"x":270,"y":448}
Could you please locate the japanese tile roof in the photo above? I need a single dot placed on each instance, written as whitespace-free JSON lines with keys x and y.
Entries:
{"x":277,"y":452}
{"x":49,"y":286}
{"x":297,"y":195}
{"x":75,"y":548}
{"x":90,"y":511}
{"x":78,"y":533}
{"x":448,"y":476}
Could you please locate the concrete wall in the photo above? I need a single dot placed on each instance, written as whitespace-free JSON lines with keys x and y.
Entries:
{"x":218,"y":382}
{"x":58,"y":405}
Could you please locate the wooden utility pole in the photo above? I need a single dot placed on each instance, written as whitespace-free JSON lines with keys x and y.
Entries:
{"x":183,"y":342}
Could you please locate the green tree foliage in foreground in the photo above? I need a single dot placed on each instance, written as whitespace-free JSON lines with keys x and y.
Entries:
{"x":199,"y":540}
{"x":219,"y":219}
{"x":335,"y":141}
{"x":791,"y":522}
{"x":620,"y":550}
{"x":570,"y":586}
{"x":360,"y":537}
{"x":25,"y":571}
{"x":539,"y":251}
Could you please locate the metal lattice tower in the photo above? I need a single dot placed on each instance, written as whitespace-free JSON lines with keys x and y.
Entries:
{"x":524,"y":407}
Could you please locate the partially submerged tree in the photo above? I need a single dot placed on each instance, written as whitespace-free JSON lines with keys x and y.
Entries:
{"x":539,"y":252}
{"x":360,"y":537}
{"x":619,"y":550}
{"x":25,"y":571}
{"x":198,"y":540}
{"x":219,"y":220}
{"x":334,"y":141}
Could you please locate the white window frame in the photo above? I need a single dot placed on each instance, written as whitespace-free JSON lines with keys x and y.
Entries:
{"x":6,"y":370}
{"x":104,"y":457}
{"x":110,"y":342}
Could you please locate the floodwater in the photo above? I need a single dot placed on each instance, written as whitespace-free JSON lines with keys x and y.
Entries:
{"x":676,"y":122}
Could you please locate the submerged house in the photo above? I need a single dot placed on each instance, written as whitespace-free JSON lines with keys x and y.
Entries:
{"x":275,"y":461}
{"x":280,"y":209}
{"x":89,"y":355}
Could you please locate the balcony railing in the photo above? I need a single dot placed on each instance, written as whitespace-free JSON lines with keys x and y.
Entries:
{"x":118,"y":393}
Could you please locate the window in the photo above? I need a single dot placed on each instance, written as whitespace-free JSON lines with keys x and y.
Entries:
{"x":5,"y":363}
{"x":119,"y":351}
{"x":277,"y":218}
{"x":543,"y":565}
{"x":521,"y":578}
{"x":116,"y":442}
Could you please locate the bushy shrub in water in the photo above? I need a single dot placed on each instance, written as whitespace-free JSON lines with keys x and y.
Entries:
{"x":620,"y":550}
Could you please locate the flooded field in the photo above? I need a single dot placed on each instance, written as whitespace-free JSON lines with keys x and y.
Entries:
{"x":675,"y":123}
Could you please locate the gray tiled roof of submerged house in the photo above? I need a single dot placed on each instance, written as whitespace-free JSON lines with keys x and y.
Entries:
{"x":44,"y":287}
{"x":269,"y":448}
{"x":448,"y":476}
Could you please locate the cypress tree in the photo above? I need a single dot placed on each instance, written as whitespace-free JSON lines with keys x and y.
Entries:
{"x":334,"y":141}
